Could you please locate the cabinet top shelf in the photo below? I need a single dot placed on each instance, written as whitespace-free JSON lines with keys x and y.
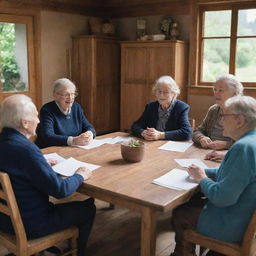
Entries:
{"x":153,"y":41}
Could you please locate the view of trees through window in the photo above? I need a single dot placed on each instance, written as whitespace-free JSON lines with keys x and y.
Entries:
{"x":217,"y":47}
{"x":13,"y":57}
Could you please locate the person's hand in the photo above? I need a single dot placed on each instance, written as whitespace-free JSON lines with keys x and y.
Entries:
{"x":205,"y":142}
{"x":196,"y":173}
{"x":152,"y":134}
{"x":84,"y":172}
{"x":219,"y":144}
{"x":214,"y":156}
{"x":83,"y":139}
{"x":51,"y":161}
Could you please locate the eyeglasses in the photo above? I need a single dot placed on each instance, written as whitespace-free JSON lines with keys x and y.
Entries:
{"x":165,"y":93}
{"x":223,"y":116}
{"x":68,"y":95}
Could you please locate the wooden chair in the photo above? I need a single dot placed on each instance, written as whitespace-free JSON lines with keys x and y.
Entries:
{"x":18,"y":243}
{"x":246,"y":248}
{"x":192,"y":123}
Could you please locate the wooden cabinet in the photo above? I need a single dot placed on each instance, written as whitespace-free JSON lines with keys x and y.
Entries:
{"x":141,"y":64}
{"x":96,"y":72}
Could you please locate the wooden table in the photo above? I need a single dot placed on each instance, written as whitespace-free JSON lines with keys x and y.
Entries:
{"x":130,"y":184}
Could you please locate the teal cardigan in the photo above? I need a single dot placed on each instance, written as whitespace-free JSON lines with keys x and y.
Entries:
{"x":232,"y":192}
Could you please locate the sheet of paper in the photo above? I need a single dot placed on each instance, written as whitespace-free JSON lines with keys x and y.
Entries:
{"x":93,"y":144}
{"x":186,"y":162}
{"x":176,"y":146}
{"x":54,"y":156}
{"x":120,"y":139}
{"x":69,"y":166}
{"x":176,"y":179}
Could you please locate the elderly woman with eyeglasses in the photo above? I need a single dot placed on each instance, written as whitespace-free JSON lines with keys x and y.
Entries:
{"x":62,"y":121}
{"x":209,"y":134}
{"x":166,"y":118}
{"x":230,"y":188}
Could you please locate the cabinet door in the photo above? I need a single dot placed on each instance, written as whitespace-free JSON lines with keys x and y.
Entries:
{"x":107,"y":93}
{"x":160,"y":62}
{"x":135,"y":91}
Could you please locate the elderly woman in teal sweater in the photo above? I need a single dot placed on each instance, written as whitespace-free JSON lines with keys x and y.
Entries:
{"x":230,"y":189}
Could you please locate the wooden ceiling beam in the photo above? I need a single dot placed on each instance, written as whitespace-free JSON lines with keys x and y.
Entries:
{"x":88,"y":7}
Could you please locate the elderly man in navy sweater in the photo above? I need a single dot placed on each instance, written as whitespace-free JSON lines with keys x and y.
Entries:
{"x":62,"y":121}
{"x":33,"y":179}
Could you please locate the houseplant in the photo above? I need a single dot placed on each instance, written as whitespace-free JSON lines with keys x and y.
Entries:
{"x":133,"y":150}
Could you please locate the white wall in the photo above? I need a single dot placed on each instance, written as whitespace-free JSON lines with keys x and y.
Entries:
{"x":56,"y":32}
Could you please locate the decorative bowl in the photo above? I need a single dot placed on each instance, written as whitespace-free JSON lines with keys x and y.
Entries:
{"x":133,"y":153}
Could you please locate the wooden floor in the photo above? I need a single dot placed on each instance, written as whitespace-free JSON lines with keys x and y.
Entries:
{"x":117,"y":233}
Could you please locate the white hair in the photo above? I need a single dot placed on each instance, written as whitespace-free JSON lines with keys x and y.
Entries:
{"x":232,"y":83}
{"x":170,"y":82}
{"x":15,"y":108}
{"x":62,"y":83}
{"x":243,"y":105}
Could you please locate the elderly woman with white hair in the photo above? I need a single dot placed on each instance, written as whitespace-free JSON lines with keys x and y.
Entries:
{"x":33,"y":179}
{"x":230,"y":188}
{"x":209,"y":134}
{"x":166,"y":118}
{"x":62,"y":121}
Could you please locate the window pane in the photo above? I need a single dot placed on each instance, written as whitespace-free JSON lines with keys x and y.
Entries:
{"x":13,"y":57}
{"x":246,"y":22}
{"x":246,"y":59}
{"x":215,"y":58}
{"x":217,"y":23}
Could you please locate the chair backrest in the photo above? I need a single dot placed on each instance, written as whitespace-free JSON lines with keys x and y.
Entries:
{"x":249,"y":239}
{"x":11,"y":209}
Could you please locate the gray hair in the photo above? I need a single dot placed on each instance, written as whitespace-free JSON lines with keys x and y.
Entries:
{"x":15,"y":108}
{"x":232,"y":83}
{"x":62,"y":83}
{"x":243,"y":105}
{"x":170,"y":82}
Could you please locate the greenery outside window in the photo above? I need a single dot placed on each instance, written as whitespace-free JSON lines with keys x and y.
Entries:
{"x":227,"y":44}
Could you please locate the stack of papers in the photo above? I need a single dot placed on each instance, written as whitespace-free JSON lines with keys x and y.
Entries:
{"x":176,"y":179}
{"x":176,"y":146}
{"x":186,"y":162}
{"x":67,"y":167}
{"x":96,"y":143}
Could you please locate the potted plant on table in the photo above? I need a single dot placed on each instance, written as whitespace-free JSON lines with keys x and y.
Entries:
{"x":133,"y":150}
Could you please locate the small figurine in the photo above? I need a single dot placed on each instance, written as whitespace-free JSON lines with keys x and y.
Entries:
{"x":165,"y":26}
{"x":174,"y":32}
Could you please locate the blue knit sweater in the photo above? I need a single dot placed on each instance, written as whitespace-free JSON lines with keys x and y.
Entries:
{"x":232,"y":194}
{"x":55,"y":127}
{"x":177,"y":126}
{"x":33,"y":180}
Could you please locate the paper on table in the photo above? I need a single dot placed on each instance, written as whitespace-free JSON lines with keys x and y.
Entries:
{"x":69,"y":166}
{"x":176,"y":146}
{"x":186,"y":162}
{"x":120,"y":139}
{"x":176,"y":179}
{"x":54,"y":156}
{"x":93,"y":144}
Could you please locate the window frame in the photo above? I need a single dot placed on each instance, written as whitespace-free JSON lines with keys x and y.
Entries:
{"x":196,"y":58}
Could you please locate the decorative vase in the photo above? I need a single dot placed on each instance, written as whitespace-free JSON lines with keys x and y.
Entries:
{"x":132,"y":153}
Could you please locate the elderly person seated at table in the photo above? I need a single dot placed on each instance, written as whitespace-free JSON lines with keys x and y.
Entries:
{"x":33,"y":179}
{"x":62,"y":121}
{"x":209,"y":134}
{"x":166,"y":118}
{"x":230,"y":188}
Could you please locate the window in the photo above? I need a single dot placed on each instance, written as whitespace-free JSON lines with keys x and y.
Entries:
{"x":227,"y":44}
{"x":18,"y":56}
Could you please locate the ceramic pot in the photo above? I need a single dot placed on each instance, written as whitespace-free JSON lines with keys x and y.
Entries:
{"x":132,"y":154}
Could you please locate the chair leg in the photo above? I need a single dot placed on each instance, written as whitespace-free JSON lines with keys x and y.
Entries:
{"x":74,"y":246}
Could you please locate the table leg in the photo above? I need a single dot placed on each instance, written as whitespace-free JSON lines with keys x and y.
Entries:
{"x":148,"y":232}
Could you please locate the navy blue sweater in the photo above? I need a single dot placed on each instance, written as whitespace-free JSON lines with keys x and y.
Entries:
{"x":55,"y":127}
{"x":177,"y":127}
{"x":33,"y":180}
